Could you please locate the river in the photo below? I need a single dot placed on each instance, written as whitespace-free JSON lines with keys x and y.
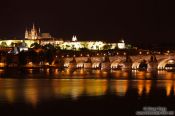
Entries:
{"x":84,"y":92}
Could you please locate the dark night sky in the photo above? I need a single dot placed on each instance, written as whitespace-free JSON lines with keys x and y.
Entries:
{"x":138,"y":21}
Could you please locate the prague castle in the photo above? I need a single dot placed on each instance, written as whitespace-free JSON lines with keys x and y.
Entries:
{"x":34,"y":35}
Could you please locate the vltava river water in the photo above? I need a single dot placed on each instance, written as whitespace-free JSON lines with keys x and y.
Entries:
{"x":84,"y":92}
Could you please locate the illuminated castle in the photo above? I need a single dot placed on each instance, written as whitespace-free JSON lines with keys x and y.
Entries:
{"x":33,"y":33}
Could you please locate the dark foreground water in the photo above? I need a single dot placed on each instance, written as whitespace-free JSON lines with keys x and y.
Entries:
{"x":83,"y":92}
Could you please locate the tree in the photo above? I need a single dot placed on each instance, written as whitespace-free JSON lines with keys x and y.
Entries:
{"x":107,"y":47}
{"x":22,"y":58}
{"x":3,"y":44}
{"x":33,"y":56}
{"x":12,"y":44}
{"x":49,"y":47}
{"x":35,"y":45}
{"x":50,"y":52}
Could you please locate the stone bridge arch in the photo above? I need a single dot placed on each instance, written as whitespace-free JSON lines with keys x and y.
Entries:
{"x":162,"y":63}
{"x":115,"y":64}
{"x":165,"y":59}
{"x":122,"y":63}
{"x":137,"y":60}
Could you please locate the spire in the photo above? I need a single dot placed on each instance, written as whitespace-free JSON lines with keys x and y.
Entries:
{"x":74,"y":38}
{"x":33,"y":26}
{"x":26,"y":30}
{"x":26,"y":34}
{"x":39,"y":30}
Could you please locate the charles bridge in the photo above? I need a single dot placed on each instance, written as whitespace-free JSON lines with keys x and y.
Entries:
{"x":120,"y":61}
{"x":134,"y":62}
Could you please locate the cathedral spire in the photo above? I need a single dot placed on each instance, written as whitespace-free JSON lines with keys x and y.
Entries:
{"x":26,"y":34}
{"x":39,"y":30}
{"x":74,"y":38}
{"x":33,"y":26}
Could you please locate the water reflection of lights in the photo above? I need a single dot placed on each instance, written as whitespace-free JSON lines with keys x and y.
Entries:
{"x":2,"y":64}
{"x":56,"y":72}
{"x":76,"y":88}
{"x":76,"y":91}
{"x":30,"y":71}
{"x":96,"y":88}
{"x":148,"y":75}
{"x":140,"y":74}
{"x":31,"y":95}
{"x":117,"y":74}
{"x":104,"y":73}
{"x":34,"y":90}
{"x":47,"y":71}
{"x":166,"y":75}
{"x":160,"y":72}
{"x":121,"y":87}
{"x":97,"y":73}
{"x":10,"y":94}
{"x":81,"y":72}
{"x":31,"y":92}
{"x":1,"y":71}
{"x":169,"y":87}
{"x":120,"y":74}
{"x":169,"y":75}
{"x":147,"y":86}
{"x":66,"y":72}
{"x":140,"y":87}
{"x":125,"y":74}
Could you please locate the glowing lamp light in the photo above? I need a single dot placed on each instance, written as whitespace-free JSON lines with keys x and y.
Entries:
{"x":168,"y":51}
{"x":171,"y":62}
{"x":30,"y":63}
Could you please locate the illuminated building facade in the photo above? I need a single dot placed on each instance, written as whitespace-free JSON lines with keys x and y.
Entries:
{"x":121,"y":44}
{"x":91,"y":45}
{"x":34,"y":34}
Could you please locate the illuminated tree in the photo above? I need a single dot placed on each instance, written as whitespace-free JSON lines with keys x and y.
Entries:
{"x":3,"y":44}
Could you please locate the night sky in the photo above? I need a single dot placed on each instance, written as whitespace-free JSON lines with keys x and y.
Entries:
{"x":137,"y":21}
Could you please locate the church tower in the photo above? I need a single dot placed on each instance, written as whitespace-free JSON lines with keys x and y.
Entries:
{"x":34,"y":34}
{"x":74,"y":38}
{"x":26,"y":34}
